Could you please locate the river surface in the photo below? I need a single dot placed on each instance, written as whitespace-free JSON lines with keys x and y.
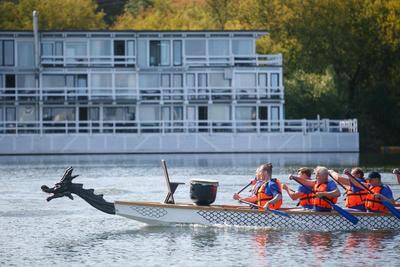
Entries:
{"x":72,"y":233}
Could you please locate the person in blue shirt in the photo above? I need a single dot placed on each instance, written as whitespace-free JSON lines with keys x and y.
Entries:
{"x":304,"y":194}
{"x":323,"y":188}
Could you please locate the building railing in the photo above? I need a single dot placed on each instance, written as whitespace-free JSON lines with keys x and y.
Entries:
{"x":129,"y":61}
{"x":143,"y":94}
{"x":179,"y":126}
{"x":83,"y":61}
{"x":234,"y":60}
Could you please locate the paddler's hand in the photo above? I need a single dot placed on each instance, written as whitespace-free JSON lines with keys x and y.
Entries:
{"x":291,"y":177}
{"x":346,"y":171}
{"x":253,"y":182}
{"x":236,"y":196}
{"x":378,"y":196}
{"x":320,"y":194}
{"x":284,"y":187}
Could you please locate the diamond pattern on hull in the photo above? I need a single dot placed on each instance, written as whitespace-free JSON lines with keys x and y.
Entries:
{"x":150,"y":211}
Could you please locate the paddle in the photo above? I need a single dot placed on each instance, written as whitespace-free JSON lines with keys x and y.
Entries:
{"x":241,"y":190}
{"x":388,"y":205}
{"x":277,"y":212}
{"x":350,"y":217}
{"x":337,"y":181}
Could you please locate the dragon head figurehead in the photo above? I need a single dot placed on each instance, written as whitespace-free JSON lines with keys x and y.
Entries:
{"x":65,"y":188}
{"x":62,"y":188}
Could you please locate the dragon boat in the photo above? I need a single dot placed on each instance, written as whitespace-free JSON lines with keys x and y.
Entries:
{"x":171,"y":213}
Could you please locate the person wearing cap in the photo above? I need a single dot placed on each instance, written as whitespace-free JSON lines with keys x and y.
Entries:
{"x":304,"y":194}
{"x":373,"y":202}
{"x":323,"y":188}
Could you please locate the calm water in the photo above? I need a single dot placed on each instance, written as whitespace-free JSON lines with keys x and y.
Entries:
{"x":71,"y":233}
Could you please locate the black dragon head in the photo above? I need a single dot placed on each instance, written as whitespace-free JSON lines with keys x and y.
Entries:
{"x":65,"y":188}
{"x":62,"y":188}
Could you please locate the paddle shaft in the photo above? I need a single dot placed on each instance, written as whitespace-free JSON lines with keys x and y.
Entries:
{"x":339,"y":183}
{"x":277,"y":212}
{"x":241,"y":190}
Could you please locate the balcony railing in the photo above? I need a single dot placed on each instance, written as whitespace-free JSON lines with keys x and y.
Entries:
{"x":179,"y":126}
{"x":89,"y":61}
{"x":129,"y":61}
{"x":143,"y":94}
{"x":234,"y":60}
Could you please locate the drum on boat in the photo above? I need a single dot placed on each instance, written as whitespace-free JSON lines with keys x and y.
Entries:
{"x":203,"y":192}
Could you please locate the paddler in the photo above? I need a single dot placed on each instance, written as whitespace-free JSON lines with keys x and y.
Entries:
{"x":381,"y":191}
{"x":304,"y":194}
{"x":322,"y":187}
{"x":257,"y":182}
{"x":356,"y":196}
{"x":269,"y":193}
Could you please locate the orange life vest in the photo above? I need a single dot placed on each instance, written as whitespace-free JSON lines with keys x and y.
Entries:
{"x":374,"y":204}
{"x":263,"y":197}
{"x":319,"y":202}
{"x":355,"y":198}
{"x":306,"y":199}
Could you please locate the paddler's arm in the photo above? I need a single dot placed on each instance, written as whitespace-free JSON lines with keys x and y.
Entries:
{"x":252,"y":199}
{"x":292,"y":194}
{"x":386,"y":195}
{"x":338,"y":178}
{"x":303,"y":181}
{"x":330,"y":194}
{"x":276,"y":198}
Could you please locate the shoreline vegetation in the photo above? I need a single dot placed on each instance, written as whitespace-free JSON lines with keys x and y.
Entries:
{"x":341,"y":57}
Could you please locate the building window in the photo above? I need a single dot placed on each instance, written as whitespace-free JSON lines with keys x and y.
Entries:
{"x":246,"y":80}
{"x":58,"y":114}
{"x":149,"y":113}
{"x":275,"y":113}
{"x":25,"y":54}
{"x":195,"y":47}
{"x":119,"y":113}
{"x":26,"y":81}
{"x":245,"y":113}
{"x":53,"y":81}
{"x":125,"y":80}
{"x":100,"y":48}
{"x":149,"y":81}
{"x":177,"y":52}
{"x":243,"y":47}
{"x":76,"y":51}
{"x":274,"y":79}
{"x":263,"y":113}
{"x":6,"y":53}
{"x":219,"y":112}
{"x":160,"y":53}
{"x":217,"y":80}
{"x":101,"y":80}
{"x":218,"y":47}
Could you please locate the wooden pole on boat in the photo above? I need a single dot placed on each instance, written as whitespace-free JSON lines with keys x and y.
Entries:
{"x":387,"y":204}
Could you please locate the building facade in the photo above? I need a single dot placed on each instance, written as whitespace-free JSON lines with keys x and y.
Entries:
{"x":150,"y":91}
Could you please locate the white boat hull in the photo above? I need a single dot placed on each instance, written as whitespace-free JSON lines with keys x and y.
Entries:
{"x":160,"y":213}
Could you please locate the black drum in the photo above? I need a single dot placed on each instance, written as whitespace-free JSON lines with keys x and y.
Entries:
{"x":203,"y":192}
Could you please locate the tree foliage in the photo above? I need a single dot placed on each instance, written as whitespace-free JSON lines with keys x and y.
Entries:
{"x":53,"y":14}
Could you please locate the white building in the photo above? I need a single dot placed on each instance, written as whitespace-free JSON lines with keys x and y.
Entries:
{"x":150,"y":91}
